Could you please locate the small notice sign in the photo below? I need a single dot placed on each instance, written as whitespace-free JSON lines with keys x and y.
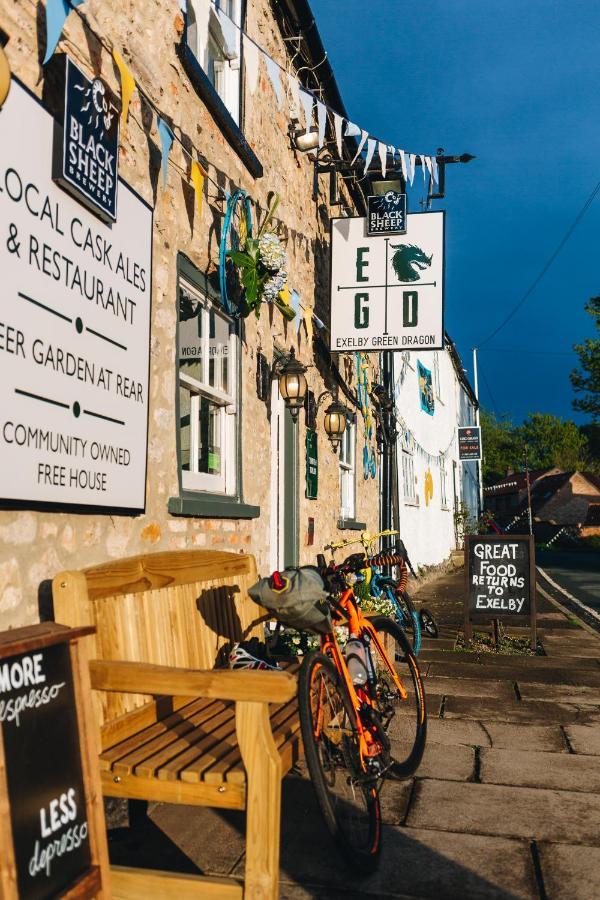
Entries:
{"x":500,"y":578}
{"x":312,"y":465}
{"x":387,"y":213}
{"x":469,"y":443}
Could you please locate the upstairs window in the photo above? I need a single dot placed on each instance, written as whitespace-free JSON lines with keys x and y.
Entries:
{"x":214,"y":37}
{"x":208,"y":412}
{"x":348,"y":473}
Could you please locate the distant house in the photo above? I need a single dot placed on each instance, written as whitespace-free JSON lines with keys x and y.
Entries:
{"x":557,"y":497}
{"x":591,"y":526}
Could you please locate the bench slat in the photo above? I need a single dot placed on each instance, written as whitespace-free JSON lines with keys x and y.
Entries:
{"x":196,"y":742}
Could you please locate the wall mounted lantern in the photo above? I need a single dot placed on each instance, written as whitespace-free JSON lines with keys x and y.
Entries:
{"x":292,"y":383}
{"x":335,"y":418}
{"x":304,"y":139}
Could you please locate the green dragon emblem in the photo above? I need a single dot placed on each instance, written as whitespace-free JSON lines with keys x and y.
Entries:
{"x":409,"y":261}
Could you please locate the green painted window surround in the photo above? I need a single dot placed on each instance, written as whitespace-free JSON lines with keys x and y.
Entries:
{"x":202,"y":504}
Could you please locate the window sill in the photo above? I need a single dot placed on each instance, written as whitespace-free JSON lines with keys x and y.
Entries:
{"x":446,"y":509}
{"x":223,"y":118}
{"x":351,"y":525}
{"x":414,"y":503}
{"x":212,"y":506}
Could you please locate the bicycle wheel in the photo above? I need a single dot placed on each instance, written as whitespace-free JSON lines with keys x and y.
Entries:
{"x":428,"y":623}
{"x":405,"y":721}
{"x":408,"y":618}
{"x":349,"y":804}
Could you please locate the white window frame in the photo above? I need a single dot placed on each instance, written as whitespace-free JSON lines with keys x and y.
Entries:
{"x":408,"y":477}
{"x":347,"y":463}
{"x":207,"y":31}
{"x":227,"y":401}
{"x":443,"y":484}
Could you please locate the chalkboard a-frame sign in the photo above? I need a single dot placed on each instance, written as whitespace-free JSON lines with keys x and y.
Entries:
{"x":500,"y":580}
{"x":52,"y":832}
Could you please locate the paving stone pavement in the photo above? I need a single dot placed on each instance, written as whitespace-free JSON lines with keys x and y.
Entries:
{"x":506,"y":803}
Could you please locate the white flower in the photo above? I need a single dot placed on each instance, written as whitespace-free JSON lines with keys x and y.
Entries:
{"x":272,"y":255}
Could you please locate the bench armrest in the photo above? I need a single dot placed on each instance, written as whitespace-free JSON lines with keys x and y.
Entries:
{"x":218,"y":684}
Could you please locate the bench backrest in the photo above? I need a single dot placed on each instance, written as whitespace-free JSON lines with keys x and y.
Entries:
{"x":179,"y":609}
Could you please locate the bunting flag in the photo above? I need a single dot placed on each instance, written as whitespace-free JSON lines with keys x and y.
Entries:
{"x":127,"y":88}
{"x":424,"y":167}
{"x":363,"y":137}
{"x":371,"y":143}
{"x":434,"y":170}
{"x":251,"y":63}
{"x":402,"y":163}
{"x":57,"y":13}
{"x":306,"y":100}
{"x":299,"y":310}
{"x":383,"y":151}
{"x":411,"y":167}
{"x":166,"y":142}
{"x":352,"y":130}
{"x":322,"y":120}
{"x":337,"y":124}
{"x":295,"y":304}
{"x":198,"y":174}
{"x":274,"y":73}
{"x":294,"y":90}
{"x":308,"y":323}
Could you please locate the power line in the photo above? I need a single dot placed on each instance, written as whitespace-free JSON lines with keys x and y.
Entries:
{"x":527,"y":351}
{"x":537,"y":280}
{"x":489,"y":390}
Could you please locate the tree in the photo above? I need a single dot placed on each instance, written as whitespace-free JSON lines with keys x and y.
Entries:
{"x":499,"y":452}
{"x":586,"y":379}
{"x":550,"y":442}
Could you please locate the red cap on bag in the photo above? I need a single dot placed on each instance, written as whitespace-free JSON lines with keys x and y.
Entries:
{"x":277,"y":582}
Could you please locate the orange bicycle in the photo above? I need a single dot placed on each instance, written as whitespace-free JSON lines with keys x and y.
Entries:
{"x":362,"y":715}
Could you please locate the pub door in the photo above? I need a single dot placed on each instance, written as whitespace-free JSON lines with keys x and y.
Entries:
{"x":284,"y":485}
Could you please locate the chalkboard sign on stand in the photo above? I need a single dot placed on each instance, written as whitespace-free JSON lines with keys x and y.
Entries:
{"x":500,"y":580}
{"x":52,"y":832}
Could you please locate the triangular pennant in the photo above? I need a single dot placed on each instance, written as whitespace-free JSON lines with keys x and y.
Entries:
{"x":424,"y":167}
{"x":402,"y":163}
{"x":371,"y":143}
{"x":411,"y":167}
{"x":294,"y":89}
{"x":322,"y":120}
{"x":57,"y":12}
{"x":198,"y":173}
{"x":434,"y":170}
{"x":337,"y":123}
{"x":306,"y":100}
{"x":274,"y":73}
{"x":428,"y":164}
{"x":166,"y":142}
{"x":383,"y":151}
{"x":363,"y":137}
{"x":127,"y":87}
{"x":295,"y":300}
{"x":251,"y":63}
{"x":308,"y":323}
{"x":352,"y":130}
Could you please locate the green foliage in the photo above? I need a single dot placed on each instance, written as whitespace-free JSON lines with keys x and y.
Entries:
{"x":586,"y":378}
{"x":550,"y":442}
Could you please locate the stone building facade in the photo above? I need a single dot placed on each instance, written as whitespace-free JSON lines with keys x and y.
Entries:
{"x":39,"y":539}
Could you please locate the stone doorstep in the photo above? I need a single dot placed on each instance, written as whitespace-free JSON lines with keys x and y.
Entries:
{"x":525,"y":712}
{"x":570,"y":871}
{"x":535,"y":769}
{"x":436,"y":655}
{"x":515,"y":812}
{"x":584,"y":739}
{"x":469,"y":687}
{"x":519,"y":671}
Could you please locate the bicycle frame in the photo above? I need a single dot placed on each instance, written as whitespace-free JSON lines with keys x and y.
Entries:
{"x":359,"y":625}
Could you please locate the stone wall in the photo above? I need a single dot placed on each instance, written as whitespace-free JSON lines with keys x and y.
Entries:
{"x":34,"y":545}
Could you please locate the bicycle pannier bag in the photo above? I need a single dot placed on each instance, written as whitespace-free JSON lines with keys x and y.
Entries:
{"x":300,"y":603}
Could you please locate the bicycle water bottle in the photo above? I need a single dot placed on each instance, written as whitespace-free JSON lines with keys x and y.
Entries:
{"x":356,"y":660}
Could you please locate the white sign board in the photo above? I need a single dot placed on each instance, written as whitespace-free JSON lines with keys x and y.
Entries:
{"x":74,"y":330}
{"x":387,"y":293}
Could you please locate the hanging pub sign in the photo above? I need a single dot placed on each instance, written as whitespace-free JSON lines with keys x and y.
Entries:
{"x":387,"y":293}
{"x":500,"y":580}
{"x":386,"y":213}
{"x":87,"y":158}
{"x":74,"y":330}
{"x":312,"y":465}
{"x":53,"y":840}
{"x":469,"y":443}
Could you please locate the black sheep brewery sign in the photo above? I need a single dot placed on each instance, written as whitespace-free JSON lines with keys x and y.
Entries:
{"x":387,"y":292}
{"x":87,"y":166}
{"x":74,"y":330}
{"x":386,"y":213}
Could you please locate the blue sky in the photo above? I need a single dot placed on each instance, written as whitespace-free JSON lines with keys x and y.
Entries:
{"x":518,"y":85}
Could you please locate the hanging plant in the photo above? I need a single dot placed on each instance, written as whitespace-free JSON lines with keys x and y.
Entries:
{"x":262,"y":262}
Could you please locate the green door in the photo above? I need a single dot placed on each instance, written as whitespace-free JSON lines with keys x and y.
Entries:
{"x":290,"y":491}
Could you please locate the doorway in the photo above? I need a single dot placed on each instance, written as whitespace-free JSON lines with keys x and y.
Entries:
{"x":284,"y":485}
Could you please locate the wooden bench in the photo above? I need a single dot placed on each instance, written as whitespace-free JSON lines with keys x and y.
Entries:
{"x":204,"y":736}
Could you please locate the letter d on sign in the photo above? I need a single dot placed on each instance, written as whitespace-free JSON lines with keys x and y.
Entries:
{"x":361,"y":312}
